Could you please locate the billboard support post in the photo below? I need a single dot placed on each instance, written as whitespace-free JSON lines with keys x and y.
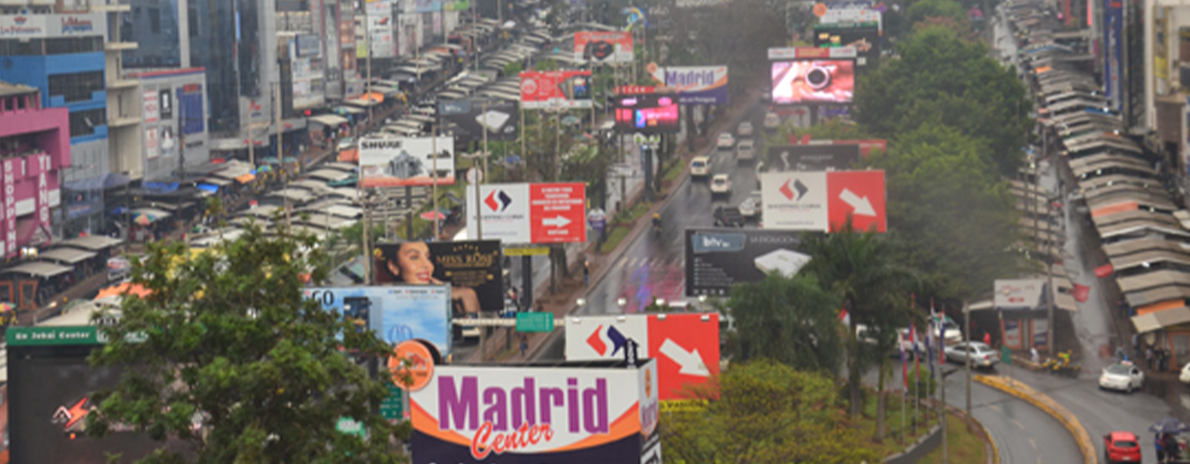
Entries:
{"x":434,"y":185}
{"x":408,"y":213}
{"x":527,"y":281}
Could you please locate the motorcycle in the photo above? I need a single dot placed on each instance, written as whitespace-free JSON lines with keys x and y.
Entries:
{"x":1062,"y":366}
{"x":656,"y":229}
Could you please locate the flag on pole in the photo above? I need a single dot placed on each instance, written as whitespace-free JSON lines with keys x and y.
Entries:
{"x":941,"y":335}
{"x":904,"y":368}
{"x":916,"y":353}
{"x":930,"y":349}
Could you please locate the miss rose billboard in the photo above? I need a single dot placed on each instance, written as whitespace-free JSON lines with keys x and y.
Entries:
{"x":557,"y":414}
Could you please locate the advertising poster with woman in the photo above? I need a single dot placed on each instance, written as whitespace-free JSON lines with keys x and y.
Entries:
{"x":472,"y":268}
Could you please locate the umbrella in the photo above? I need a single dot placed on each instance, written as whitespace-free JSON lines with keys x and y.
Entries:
{"x":143,"y":219}
{"x":264,"y":169}
{"x":571,"y":120}
{"x":271,"y":160}
{"x":6,"y":306}
{"x":290,"y":160}
{"x":432,"y":215}
{"x":1169,"y":425}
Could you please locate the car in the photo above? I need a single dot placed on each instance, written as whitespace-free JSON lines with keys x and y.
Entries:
{"x":981,"y":354}
{"x":700,"y":167}
{"x":1185,"y":376}
{"x":868,"y":336}
{"x":1121,"y":446}
{"x":728,"y":217}
{"x":750,"y":207}
{"x":744,"y":129}
{"x":725,"y":141}
{"x":745,"y":151}
{"x":951,"y":330}
{"x":1123,"y":376}
{"x":771,"y":121}
{"x":720,"y":184}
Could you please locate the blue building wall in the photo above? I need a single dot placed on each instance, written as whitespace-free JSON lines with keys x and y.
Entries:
{"x":35,"y":70}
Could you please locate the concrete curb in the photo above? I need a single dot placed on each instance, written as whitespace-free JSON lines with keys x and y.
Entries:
{"x":1048,"y":405}
{"x":913,"y":453}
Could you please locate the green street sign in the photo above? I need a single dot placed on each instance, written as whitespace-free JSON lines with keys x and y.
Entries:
{"x":347,"y":425}
{"x":1005,"y":355}
{"x":393,"y":406}
{"x":532,"y":322}
{"x":61,"y":336}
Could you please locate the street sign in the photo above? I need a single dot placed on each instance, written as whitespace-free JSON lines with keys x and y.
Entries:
{"x":532,"y":322}
{"x":347,"y":425}
{"x":1005,"y":355}
{"x":597,"y":219}
{"x":860,"y":194}
{"x":522,"y":251}
{"x":393,"y":406}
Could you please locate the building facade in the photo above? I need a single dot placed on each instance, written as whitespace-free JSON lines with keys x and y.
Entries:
{"x":174,"y":109}
{"x":34,"y":148}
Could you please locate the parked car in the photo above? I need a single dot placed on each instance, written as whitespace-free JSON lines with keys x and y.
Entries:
{"x":700,"y":167}
{"x":745,"y":151}
{"x":1121,"y":446}
{"x":720,"y":184}
{"x":728,"y":217}
{"x":750,"y":207}
{"x":744,"y":129}
{"x":1122,"y":376}
{"x":725,"y":141}
{"x":981,"y":354}
{"x":771,"y":121}
{"x":866,"y":336}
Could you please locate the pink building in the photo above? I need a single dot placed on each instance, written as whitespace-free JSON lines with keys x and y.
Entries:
{"x":34,"y":145}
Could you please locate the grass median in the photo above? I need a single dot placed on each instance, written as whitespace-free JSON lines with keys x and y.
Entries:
{"x":962,"y":446}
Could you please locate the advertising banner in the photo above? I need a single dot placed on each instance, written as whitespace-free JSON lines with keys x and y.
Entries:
{"x":190,"y":111}
{"x":538,"y":213}
{"x":472,"y":268}
{"x":529,"y":414}
{"x":831,"y":81}
{"x":695,"y":85}
{"x":716,"y":259}
{"x":865,"y":37}
{"x":380,"y":28}
{"x":43,"y":192}
{"x":396,"y":312}
{"x":1040,"y":331}
{"x":169,"y":141}
{"x":850,"y":11}
{"x":685,"y":346}
{"x":811,"y":53}
{"x":603,"y":47}
{"x":647,"y":113}
{"x":152,"y":109}
{"x":1018,"y":294}
{"x":555,"y":89}
{"x":814,"y":157}
{"x":10,"y":207}
{"x":469,"y":118}
{"x":823,"y":201}
{"x":165,"y":104}
{"x":1012,"y":333}
{"x":152,"y":144}
{"x":1113,"y":24}
{"x":409,"y":161}
{"x":52,"y":25}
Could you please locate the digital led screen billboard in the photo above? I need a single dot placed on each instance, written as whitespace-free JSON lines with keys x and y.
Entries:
{"x":647,"y":113}
{"x":803,"y":81}
{"x":396,"y":313}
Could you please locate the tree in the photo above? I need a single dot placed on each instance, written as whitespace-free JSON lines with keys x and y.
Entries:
{"x":922,"y":9}
{"x":861,"y":270}
{"x":791,"y":320}
{"x":941,"y":79}
{"x":231,"y":341}
{"x":766,"y":413}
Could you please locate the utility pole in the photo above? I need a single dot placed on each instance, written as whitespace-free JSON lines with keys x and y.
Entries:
{"x":251,"y":153}
{"x":277,"y":109}
{"x":967,"y":331}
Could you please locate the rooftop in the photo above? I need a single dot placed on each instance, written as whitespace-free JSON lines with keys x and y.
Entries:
{"x":9,"y":89}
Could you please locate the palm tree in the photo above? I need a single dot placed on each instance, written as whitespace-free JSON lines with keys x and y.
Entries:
{"x":791,"y":320}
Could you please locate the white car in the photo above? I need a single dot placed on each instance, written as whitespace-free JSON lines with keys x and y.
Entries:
{"x":725,"y":141}
{"x":746,"y":151}
{"x":720,"y":184}
{"x":1185,"y":376}
{"x":750,"y":207}
{"x":345,"y":143}
{"x":744,"y":129}
{"x":1122,"y":377}
{"x":700,"y":166}
{"x":981,"y":354}
{"x":771,"y":121}
{"x":951,"y":332}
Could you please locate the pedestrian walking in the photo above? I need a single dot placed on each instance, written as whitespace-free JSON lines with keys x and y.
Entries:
{"x":1158,"y":446}
{"x":1033,"y":355}
{"x":1149,"y":355}
{"x":987,"y":338}
{"x":586,"y":273}
{"x":1136,"y":344}
{"x":524,"y":344}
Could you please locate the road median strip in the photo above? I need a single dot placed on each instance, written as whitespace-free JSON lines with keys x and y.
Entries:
{"x":1048,"y":405}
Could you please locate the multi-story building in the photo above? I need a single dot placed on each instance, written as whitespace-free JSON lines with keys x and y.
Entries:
{"x":34,"y":148}
{"x":174,"y":120}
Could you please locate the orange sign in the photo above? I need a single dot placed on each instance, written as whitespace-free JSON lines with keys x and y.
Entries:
{"x":819,"y":9}
{"x":411,"y":365}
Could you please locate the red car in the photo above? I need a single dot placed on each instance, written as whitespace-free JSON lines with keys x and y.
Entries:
{"x":1121,"y":446}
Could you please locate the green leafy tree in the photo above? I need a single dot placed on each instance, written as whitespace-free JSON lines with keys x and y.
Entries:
{"x":233,"y":345}
{"x":922,"y":9}
{"x":766,"y":413}
{"x":791,"y":320}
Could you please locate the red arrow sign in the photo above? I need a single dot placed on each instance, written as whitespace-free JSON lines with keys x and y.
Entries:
{"x":557,"y":212}
{"x":859,"y":194}
{"x":686,"y":347}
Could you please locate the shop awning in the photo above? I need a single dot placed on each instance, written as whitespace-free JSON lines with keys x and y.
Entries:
{"x":361,"y":102}
{"x":39,"y":269}
{"x":220,"y":182}
{"x":1158,"y":320}
{"x":208,"y":187}
{"x":67,"y":255}
{"x":346,"y":109}
{"x":245,"y":178}
{"x":90,"y":242}
{"x":328,"y":120}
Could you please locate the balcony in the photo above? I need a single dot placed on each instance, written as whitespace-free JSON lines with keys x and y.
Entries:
{"x":114,"y":121}
{"x":118,"y":46}
{"x":122,"y":84}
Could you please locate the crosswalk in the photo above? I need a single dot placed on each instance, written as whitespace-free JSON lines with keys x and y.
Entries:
{"x":650,"y":262}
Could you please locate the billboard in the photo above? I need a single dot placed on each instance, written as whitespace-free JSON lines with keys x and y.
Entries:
{"x":380,"y":28}
{"x":822,"y":201}
{"x":396,"y":313}
{"x":685,"y":346}
{"x":151,"y":111}
{"x":695,"y":85}
{"x":537,"y":213}
{"x":603,"y":47}
{"x":865,"y":37}
{"x":647,"y":113}
{"x":530,"y":414}
{"x":410,"y":161}
{"x":814,"y":157}
{"x":829,"y":81}
{"x":469,"y":118}
{"x":555,"y":89}
{"x":1019,"y":294}
{"x":716,"y":259}
{"x":472,"y":268}
{"x":1113,"y":25}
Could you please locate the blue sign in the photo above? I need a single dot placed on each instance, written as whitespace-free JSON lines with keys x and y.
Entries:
{"x":396,"y":313}
{"x":1113,"y":24}
{"x":598,"y":220}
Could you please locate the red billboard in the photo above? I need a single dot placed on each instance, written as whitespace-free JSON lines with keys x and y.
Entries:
{"x":558,"y":212}
{"x":555,"y":89}
{"x":603,"y":47}
{"x":859,"y":194}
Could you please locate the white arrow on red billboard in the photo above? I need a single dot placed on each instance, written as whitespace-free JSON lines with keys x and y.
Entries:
{"x":859,"y":205}
{"x":557,"y":221}
{"x":691,"y":362}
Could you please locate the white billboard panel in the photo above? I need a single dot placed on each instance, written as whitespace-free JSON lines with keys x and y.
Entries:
{"x":795,"y":200}
{"x":505,"y":211}
{"x":410,"y":161}
{"x":605,"y":337}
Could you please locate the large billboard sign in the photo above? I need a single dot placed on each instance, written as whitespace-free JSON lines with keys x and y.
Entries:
{"x":409,"y":161}
{"x":528,"y":414}
{"x":472,"y":268}
{"x":685,"y":346}
{"x":379,"y":17}
{"x":716,"y":259}
{"x":603,"y":47}
{"x":1018,"y":294}
{"x":1113,"y":26}
{"x":695,"y":85}
{"x":537,"y":213}
{"x":865,"y":37}
{"x":396,"y":313}
{"x":814,"y":157}
{"x":470,"y":117}
{"x":807,"y":81}
{"x":647,"y":113}
{"x":822,"y":201}
{"x":555,"y":89}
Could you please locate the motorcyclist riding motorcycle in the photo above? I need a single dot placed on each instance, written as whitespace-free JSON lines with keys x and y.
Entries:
{"x":657,"y":223}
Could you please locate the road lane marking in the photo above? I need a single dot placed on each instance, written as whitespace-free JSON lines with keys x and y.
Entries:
{"x":996,"y":408}
{"x":1018,"y":424}
{"x":1033,"y":443}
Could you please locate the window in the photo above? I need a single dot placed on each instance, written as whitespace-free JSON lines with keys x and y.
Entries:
{"x":57,"y":46}
{"x":192,"y":20}
{"x":83,"y":123}
{"x":77,"y":86}
{"x":155,"y":20}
